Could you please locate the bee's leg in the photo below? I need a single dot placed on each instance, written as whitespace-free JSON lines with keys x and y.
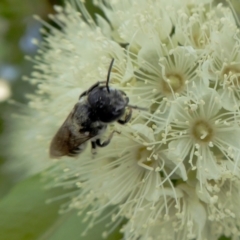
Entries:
{"x":105,"y":143}
{"x":127,"y":118}
{"x":94,"y":146}
{"x":91,"y":88}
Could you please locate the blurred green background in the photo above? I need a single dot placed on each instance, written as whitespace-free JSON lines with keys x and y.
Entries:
{"x":23,"y":212}
{"x":17,"y":29}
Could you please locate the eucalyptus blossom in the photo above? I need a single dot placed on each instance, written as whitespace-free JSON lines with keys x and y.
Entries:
{"x":169,"y":171}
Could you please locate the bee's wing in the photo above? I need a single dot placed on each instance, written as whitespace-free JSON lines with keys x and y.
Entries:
{"x":68,"y":140}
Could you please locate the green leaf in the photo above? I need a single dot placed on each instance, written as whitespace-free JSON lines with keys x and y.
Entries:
{"x":24,"y":213}
{"x":224,"y":238}
{"x":70,"y":226}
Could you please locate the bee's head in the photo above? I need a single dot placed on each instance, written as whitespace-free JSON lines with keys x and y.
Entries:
{"x":107,"y":104}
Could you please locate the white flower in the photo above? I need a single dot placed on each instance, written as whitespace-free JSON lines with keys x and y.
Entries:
{"x":190,"y":213}
{"x":200,"y":132}
{"x":177,"y":60}
{"x":142,"y":20}
{"x":222,"y":69}
{"x":166,"y":72}
{"x":177,"y":215}
{"x":221,"y":200}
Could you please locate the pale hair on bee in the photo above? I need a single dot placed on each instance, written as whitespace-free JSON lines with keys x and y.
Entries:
{"x":96,"y":108}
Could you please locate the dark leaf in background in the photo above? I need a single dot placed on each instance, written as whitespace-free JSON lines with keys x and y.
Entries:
{"x":24,"y":212}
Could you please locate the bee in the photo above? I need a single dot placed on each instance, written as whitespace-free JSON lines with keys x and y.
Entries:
{"x":96,"y":108}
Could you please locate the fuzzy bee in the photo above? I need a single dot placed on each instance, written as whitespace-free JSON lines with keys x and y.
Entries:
{"x":95,"y":109}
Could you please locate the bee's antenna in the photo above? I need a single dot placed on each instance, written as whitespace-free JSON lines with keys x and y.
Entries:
{"x":108,"y":76}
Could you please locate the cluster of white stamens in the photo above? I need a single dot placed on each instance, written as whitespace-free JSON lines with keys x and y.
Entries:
{"x":175,"y":166}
